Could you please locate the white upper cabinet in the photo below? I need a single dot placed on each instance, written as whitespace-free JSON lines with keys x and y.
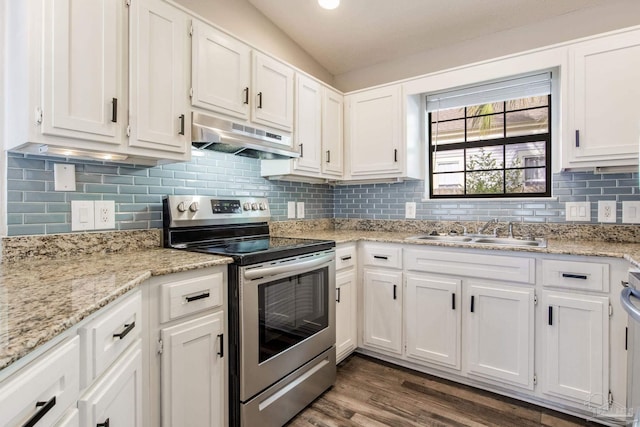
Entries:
{"x":86,"y":73}
{"x":84,"y":94}
{"x":332,"y":133}
{"x":308,"y":124}
{"x":272,"y":83}
{"x":604,"y":112}
{"x":375,"y":133}
{"x":220,"y":74}
{"x":160,"y":118}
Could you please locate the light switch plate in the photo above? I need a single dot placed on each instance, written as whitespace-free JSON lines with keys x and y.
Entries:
{"x":300,"y":209}
{"x":410,"y":210}
{"x":578,"y":211}
{"x":82,"y":216}
{"x":607,"y":211}
{"x":631,"y":212}
{"x":291,"y":209}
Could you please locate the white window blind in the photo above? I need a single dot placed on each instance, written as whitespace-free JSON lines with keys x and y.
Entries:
{"x":514,"y":88}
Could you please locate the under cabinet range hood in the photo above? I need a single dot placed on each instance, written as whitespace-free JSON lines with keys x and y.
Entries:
{"x":215,"y":134}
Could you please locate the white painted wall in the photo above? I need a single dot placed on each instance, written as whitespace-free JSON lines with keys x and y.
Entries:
{"x":3,"y":154}
{"x":556,"y":30}
{"x":244,"y":21}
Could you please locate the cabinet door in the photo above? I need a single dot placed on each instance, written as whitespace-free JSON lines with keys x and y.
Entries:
{"x":83,"y":86}
{"x":576,"y":347}
{"x":192,"y":373}
{"x":308,"y":124}
{"x":499,"y":333}
{"x":433,"y":300}
{"x":272,"y":103}
{"x":116,"y":398}
{"x":159,"y":86}
{"x":604,"y":97}
{"x":346,"y":310}
{"x":220,"y":73}
{"x":383,"y":309}
{"x":332,"y":133}
{"x":375,"y":132}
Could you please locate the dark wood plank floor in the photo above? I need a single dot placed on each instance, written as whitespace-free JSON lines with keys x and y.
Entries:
{"x":371,"y":393}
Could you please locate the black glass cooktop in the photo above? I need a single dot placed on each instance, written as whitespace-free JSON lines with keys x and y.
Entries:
{"x":254,"y":250}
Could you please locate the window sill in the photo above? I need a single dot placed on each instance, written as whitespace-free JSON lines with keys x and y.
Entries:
{"x":494,"y":199}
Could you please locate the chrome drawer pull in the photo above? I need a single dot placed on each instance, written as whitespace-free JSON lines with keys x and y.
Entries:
{"x":44,"y":408}
{"x":127,"y":328}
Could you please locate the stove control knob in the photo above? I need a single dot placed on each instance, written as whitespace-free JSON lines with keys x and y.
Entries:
{"x":254,"y":206}
{"x":182,"y":207}
{"x":193,"y":207}
{"x":246,"y":206}
{"x":262,"y":206}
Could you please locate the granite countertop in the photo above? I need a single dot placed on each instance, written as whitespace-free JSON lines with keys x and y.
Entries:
{"x":628,"y":251}
{"x":41,"y":299}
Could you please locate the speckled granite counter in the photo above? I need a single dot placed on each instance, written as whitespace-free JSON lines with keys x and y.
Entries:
{"x":40,"y":299}
{"x":629,"y":251}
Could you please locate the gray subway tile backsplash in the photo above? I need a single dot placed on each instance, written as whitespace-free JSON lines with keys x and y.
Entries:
{"x":35,"y":208}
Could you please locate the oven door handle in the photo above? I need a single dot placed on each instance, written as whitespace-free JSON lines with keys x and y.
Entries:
{"x":629,"y":307}
{"x":292,"y":268}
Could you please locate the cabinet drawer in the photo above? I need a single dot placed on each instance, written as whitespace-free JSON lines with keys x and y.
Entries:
{"x":497,"y":267}
{"x":382,"y":256}
{"x":345,"y":257}
{"x":586,"y":276}
{"x":190,"y":296}
{"x":48,"y":386}
{"x":107,"y":336}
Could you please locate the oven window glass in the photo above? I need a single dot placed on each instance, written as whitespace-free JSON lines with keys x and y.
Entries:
{"x":291,"y":310}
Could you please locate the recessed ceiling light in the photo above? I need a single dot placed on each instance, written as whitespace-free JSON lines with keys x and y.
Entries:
{"x":329,"y":4}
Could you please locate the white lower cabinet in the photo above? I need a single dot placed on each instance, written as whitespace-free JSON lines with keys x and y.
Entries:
{"x":576,"y":347}
{"x":187,"y":344}
{"x":346,"y":311}
{"x":70,"y":419}
{"x":382,"y":291}
{"x":116,"y":398}
{"x":499,"y":332}
{"x":433,"y":300}
{"x":192,"y":369}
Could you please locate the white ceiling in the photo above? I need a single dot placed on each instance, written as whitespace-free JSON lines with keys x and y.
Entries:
{"x":362,"y":33}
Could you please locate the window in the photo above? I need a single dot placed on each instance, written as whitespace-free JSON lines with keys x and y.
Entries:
{"x":492,"y":140}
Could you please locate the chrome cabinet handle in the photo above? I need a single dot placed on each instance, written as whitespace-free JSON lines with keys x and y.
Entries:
{"x":44,"y":408}
{"x":181,"y":124}
{"x":127,"y":328}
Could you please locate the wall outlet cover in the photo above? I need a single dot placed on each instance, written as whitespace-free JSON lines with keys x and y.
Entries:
{"x":300,"y":209}
{"x":82,"y":215}
{"x":64,"y":177}
{"x":578,"y":211}
{"x":607,"y":211}
{"x":104,"y":214}
{"x":410,"y":210}
{"x":291,"y":209}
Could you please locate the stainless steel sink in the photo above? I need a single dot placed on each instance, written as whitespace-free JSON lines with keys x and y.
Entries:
{"x":482,"y":240}
{"x":540,"y":243}
{"x":443,"y":238}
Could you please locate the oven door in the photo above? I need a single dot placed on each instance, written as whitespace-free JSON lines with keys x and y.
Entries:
{"x":287,"y":317}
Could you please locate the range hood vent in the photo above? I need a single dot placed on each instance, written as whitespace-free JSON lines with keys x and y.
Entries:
{"x":212,"y":133}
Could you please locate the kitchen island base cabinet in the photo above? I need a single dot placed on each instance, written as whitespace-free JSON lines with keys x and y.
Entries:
{"x":433,"y":300}
{"x":500,"y":333}
{"x":576,"y":347}
{"x":193,"y":373}
{"x":116,"y":398}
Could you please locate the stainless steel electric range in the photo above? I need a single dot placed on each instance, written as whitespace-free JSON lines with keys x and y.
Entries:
{"x":281,"y":304}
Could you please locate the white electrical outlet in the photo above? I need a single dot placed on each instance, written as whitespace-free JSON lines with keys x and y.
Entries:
{"x":291,"y":209}
{"x":104,"y":212}
{"x":300,"y":209}
{"x":410,"y":210}
{"x":631,"y":212}
{"x":578,"y":211}
{"x":82,"y":217}
{"x":606,"y":211}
